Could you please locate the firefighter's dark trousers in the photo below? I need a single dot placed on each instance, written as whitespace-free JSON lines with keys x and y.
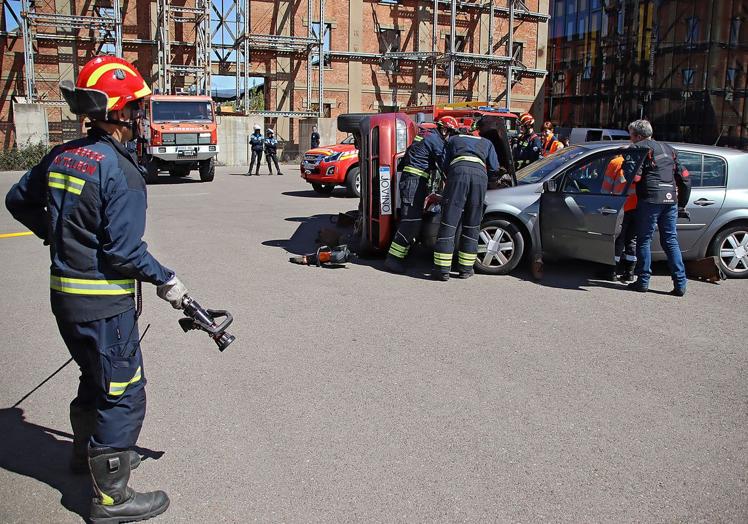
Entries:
{"x":413,"y":191}
{"x":463,"y":201}
{"x":112,"y":381}
{"x":256,"y":157}
{"x":274,"y":158}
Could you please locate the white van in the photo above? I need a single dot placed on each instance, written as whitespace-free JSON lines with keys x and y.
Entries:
{"x":579,"y":135}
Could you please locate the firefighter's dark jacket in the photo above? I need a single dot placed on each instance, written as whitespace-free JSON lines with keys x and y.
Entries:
{"x":529,"y":149}
{"x":469,"y":151}
{"x":424,"y":154}
{"x":663,"y":180}
{"x":87,"y":200}
{"x":256,"y":140}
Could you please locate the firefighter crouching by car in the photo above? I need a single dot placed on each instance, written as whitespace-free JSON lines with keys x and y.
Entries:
{"x":87,"y":201}
{"x":663,"y":189}
{"x":528,"y":146}
{"x":422,"y":157}
{"x":468,"y":159}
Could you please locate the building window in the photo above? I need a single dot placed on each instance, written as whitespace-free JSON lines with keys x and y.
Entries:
{"x":732,"y":73}
{"x":459,"y":43}
{"x":587,"y":72}
{"x":326,"y":109}
{"x":570,"y":30}
{"x":325,"y":43}
{"x":518,"y":51}
{"x":688,"y":76}
{"x":735,"y":31}
{"x":389,"y":42}
{"x":692,"y":30}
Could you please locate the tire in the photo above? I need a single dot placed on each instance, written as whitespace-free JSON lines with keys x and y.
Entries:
{"x":323,"y":189}
{"x":207,"y":170}
{"x":506,"y":254}
{"x":730,"y":246}
{"x":353,"y":182}
{"x":179,"y":171}
{"x":151,"y":172}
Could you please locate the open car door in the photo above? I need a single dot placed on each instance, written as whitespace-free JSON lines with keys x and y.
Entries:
{"x":580,"y":216}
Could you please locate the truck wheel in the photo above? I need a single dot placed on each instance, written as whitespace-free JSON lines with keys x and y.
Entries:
{"x":323,"y":189}
{"x":151,"y":172}
{"x":353,"y":182}
{"x":179,"y":171}
{"x":207,"y":170}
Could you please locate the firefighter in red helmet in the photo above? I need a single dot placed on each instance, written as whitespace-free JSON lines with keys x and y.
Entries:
{"x":87,"y":201}
{"x":529,"y":146}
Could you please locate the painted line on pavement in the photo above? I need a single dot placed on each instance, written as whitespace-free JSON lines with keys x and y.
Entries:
{"x":11,"y":235}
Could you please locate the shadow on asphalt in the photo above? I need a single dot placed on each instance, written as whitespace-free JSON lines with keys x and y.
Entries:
{"x":339,"y":192}
{"x":175,"y":180}
{"x":34,"y":451}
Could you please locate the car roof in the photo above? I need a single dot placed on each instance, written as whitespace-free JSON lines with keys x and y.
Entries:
{"x":698,"y":148}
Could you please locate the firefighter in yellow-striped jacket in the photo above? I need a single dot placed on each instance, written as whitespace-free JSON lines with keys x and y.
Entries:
{"x":87,"y":201}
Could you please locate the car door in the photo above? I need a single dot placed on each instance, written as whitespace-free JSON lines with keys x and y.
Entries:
{"x":580,"y":216}
{"x":708,"y":175}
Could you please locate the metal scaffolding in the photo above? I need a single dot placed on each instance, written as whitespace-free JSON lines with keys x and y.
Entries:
{"x":189,"y":65}
{"x":194,"y":71}
{"x":40,"y":22}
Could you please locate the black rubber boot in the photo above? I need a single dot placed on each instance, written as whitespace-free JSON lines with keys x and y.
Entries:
{"x":627,"y":275}
{"x":115,"y":502}
{"x":394,"y":264}
{"x":465,"y":272}
{"x":83,"y":422}
{"x":438,"y":274}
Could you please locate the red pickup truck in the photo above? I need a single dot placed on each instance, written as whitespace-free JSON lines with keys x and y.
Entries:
{"x":329,"y":166}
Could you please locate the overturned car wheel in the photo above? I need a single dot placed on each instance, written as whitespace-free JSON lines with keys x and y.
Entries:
{"x":500,"y":247}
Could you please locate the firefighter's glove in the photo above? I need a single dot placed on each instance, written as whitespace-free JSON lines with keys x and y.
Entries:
{"x":172,"y":291}
{"x":683,"y":213}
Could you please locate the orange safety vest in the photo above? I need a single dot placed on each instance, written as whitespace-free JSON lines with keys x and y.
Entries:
{"x":614,"y":182}
{"x":551,"y":145}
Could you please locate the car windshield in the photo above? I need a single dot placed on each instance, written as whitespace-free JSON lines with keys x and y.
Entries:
{"x":537,"y":171}
{"x":193,"y":111}
{"x":348,"y":140}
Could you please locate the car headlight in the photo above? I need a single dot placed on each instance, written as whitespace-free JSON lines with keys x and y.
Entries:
{"x":401,"y":136}
{"x":168,"y":138}
{"x":333,"y":157}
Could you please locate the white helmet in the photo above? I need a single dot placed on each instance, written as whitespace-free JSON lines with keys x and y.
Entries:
{"x":271,"y":131}
{"x":257,"y":127}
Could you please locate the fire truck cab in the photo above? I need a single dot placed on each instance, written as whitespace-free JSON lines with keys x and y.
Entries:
{"x":382,"y":140}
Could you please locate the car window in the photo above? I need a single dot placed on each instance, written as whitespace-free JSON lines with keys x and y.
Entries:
{"x":691,"y":162}
{"x":593,"y":136}
{"x":714,"y":173}
{"x":540,"y":169}
{"x":348,"y":140}
{"x":608,"y":173}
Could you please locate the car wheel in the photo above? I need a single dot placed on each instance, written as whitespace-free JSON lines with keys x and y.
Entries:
{"x":730,"y":246}
{"x":500,"y":247}
{"x":323,"y":189}
{"x":151,"y":172}
{"x":353,"y":182}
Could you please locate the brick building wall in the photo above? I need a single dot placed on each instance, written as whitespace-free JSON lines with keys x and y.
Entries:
{"x":351,"y":83}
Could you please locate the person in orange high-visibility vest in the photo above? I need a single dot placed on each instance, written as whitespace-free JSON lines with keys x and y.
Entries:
{"x":550,"y":143}
{"x":614,"y":183}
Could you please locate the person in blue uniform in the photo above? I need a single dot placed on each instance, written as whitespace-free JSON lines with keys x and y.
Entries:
{"x":529,"y":146}
{"x":469,"y":160}
{"x":271,"y":151}
{"x":256,"y":144}
{"x":422,"y":158}
{"x":87,"y":201}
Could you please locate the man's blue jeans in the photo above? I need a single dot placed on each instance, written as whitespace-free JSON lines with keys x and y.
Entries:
{"x":665,"y":218}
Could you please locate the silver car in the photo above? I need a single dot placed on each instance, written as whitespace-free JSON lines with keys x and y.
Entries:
{"x":558,"y":203}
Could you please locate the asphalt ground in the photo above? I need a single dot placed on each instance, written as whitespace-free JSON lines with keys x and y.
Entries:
{"x":357,"y":395}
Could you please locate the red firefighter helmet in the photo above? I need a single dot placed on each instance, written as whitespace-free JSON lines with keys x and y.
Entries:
{"x":115,"y":77}
{"x":105,"y":84}
{"x":449,"y":122}
{"x":526,"y":119}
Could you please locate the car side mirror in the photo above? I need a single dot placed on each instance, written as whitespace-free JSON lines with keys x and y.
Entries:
{"x":549,"y":186}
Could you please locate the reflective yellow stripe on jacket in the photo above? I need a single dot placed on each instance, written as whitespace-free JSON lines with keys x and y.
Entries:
{"x":415,"y":171}
{"x":467,"y":159}
{"x":80,"y":286}
{"x":66,"y":182}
